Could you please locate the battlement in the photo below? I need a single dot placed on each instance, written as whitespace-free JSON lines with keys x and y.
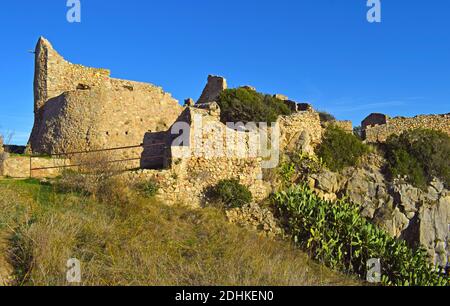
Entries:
{"x":378,"y":127}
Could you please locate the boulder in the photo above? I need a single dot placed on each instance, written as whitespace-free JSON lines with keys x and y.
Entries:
{"x":391,"y":220}
{"x":326,"y":181}
{"x":407,"y":197}
{"x":255,"y":217}
{"x":304,"y":143}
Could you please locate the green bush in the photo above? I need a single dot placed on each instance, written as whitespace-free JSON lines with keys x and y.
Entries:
{"x":231,"y":194}
{"x":148,"y":189}
{"x":298,"y":167}
{"x":246,"y":105}
{"x":335,"y":234}
{"x":326,"y":117}
{"x":340,"y":149}
{"x":419,"y":155}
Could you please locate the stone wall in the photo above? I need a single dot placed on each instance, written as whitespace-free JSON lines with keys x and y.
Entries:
{"x":215,"y":86}
{"x":301,"y":131}
{"x":396,"y":126}
{"x":80,"y":108}
{"x":345,"y":125}
{"x":19,"y":167}
{"x":204,"y":157}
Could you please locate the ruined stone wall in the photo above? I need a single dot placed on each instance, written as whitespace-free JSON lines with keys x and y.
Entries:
{"x":19,"y":167}
{"x":211,"y":152}
{"x":54,"y":75}
{"x":396,"y":126}
{"x":345,"y":125}
{"x":80,"y":108}
{"x":300,"y":131}
{"x":209,"y":156}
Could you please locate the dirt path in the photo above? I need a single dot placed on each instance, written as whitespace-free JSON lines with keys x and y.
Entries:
{"x":6,"y":270}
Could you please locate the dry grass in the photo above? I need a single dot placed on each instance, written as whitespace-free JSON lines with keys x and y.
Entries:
{"x":97,"y":176}
{"x":141,"y":243}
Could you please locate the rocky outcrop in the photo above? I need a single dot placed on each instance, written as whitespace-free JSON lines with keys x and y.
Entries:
{"x":257,"y":218}
{"x":421,"y":217}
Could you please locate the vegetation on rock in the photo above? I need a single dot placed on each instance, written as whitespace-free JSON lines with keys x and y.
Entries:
{"x":326,"y":117}
{"x":246,"y":105}
{"x":419,"y":155}
{"x":335,"y":234}
{"x":340,"y":149}
{"x":231,"y":194}
{"x":148,"y":189}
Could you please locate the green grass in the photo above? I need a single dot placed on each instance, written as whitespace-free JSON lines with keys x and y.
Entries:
{"x":142,"y":243}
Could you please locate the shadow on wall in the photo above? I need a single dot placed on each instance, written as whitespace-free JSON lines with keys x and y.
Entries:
{"x":156,"y":151}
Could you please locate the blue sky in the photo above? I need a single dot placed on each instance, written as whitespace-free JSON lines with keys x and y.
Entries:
{"x":321,"y":51}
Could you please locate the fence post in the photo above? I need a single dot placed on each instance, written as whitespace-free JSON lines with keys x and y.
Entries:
{"x":31,"y":176}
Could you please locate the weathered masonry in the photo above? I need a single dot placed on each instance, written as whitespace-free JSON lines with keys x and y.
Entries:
{"x":80,"y":108}
{"x":378,"y":127}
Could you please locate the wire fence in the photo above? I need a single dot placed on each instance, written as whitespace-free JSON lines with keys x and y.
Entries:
{"x":65,"y":157}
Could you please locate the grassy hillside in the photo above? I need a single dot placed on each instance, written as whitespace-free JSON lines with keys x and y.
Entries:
{"x":141,"y":243}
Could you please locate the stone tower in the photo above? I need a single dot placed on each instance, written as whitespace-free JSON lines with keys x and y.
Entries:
{"x":82,"y":108}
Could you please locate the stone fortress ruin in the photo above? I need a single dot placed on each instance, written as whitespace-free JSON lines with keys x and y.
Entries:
{"x":187,"y":149}
{"x":378,"y":127}
{"x":80,"y":109}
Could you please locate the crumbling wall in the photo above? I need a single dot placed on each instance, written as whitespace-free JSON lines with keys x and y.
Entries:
{"x":210,"y":152}
{"x":215,"y":86}
{"x":345,"y":125}
{"x":301,"y":131}
{"x":213,"y":151}
{"x":80,"y":108}
{"x":54,"y":75}
{"x":398,"y":125}
{"x":20,"y":167}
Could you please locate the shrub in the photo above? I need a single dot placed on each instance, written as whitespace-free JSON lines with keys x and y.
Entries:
{"x":335,"y":234}
{"x":246,"y":105}
{"x":97,"y":177}
{"x":340,"y":149}
{"x":326,"y":117}
{"x":231,"y":194}
{"x":419,"y":155}
{"x":148,"y":189}
{"x":298,"y":167}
